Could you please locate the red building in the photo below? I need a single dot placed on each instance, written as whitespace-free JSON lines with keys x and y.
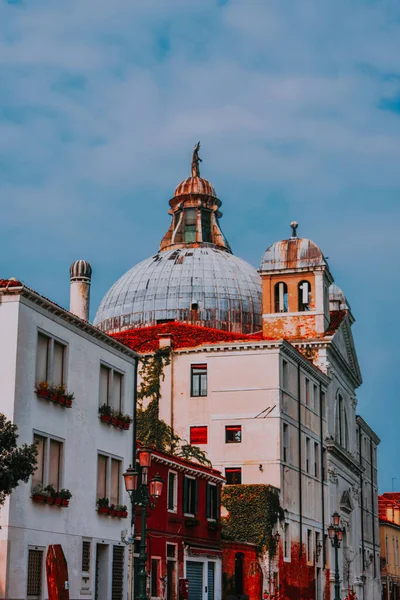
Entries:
{"x":183,"y":530}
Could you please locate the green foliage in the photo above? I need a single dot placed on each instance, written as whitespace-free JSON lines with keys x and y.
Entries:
{"x":254,"y":510}
{"x":151,"y":430}
{"x":16,"y":463}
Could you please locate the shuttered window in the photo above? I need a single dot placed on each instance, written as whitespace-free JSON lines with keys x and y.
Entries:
{"x":50,"y":360}
{"x":190,"y":493}
{"x":117,"y":583}
{"x":34,"y":579}
{"x":172,"y":491}
{"x":212,"y":502}
{"x":198,"y":435}
{"x":102,"y":476}
{"x":55,"y":464}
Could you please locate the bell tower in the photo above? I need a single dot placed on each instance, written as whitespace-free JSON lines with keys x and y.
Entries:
{"x":295,"y":289}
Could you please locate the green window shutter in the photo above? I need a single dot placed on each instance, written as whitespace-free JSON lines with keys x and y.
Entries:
{"x":185,"y":494}
{"x":208,"y":501}
{"x":196,"y":496}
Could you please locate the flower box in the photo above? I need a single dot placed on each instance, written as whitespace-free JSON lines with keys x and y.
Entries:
{"x":50,"y":500}
{"x":191,"y":522}
{"x":114,"y":421}
{"x":103,"y":510}
{"x":43,"y":393}
{"x":105,"y":418}
{"x":65,"y":502}
{"x":58,"y":501}
{"x":124,"y":515}
{"x":126,"y":425}
{"x":57,"y":394}
{"x":39,"y":498}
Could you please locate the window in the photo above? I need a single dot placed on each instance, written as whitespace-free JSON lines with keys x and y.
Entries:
{"x":323,"y":405}
{"x":309,"y":546}
{"x":285,"y":442}
{"x":117,"y":581}
{"x":284,"y":375}
{"x":307,"y":455}
{"x":233,"y":475}
{"x":198,"y":380}
{"x":171,"y":572}
{"x":239,"y":573}
{"x":286,"y":541}
{"x":316,"y":459}
{"x":50,"y":360}
{"x":307,"y":391}
{"x":190,"y":496}
{"x":324,"y":472}
{"x":111,"y":387}
{"x":34,"y":578}
{"x":49,"y":465}
{"x":315,"y":398}
{"x":233,"y":434}
{"x":109,"y":478}
{"x":190,"y":225}
{"x":341,"y":422}
{"x":304,"y":294}
{"x":212,"y":502}
{"x":172,"y":491}
{"x":155,"y":578}
{"x":318,"y":546}
{"x":281,"y":297}
{"x":206,"y":225}
{"x":198,"y":435}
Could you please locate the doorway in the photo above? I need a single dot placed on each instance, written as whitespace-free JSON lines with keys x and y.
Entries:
{"x":101,"y":579}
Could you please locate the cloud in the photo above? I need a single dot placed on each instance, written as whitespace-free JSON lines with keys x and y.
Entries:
{"x":296,"y":106}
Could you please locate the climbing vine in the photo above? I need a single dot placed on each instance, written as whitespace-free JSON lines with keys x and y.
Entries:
{"x":254,"y":510}
{"x":151,"y":430}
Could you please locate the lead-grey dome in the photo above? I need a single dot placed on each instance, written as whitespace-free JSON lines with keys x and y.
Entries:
{"x":204,"y":286}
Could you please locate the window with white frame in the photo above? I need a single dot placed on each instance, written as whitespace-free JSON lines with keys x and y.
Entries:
{"x":35,"y":573}
{"x":109,"y":478}
{"x":49,"y":461}
{"x":172,"y":491}
{"x":50,"y":360}
{"x":111,"y":387}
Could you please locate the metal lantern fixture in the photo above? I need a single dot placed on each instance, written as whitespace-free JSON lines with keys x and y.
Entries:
{"x":336,"y":519}
{"x":335,"y":533}
{"x":144,"y":457}
{"x":131,"y":479}
{"x":331,"y":532}
{"x":156,"y":487}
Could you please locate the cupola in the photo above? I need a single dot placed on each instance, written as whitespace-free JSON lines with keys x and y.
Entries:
{"x":195,"y":214}
{"x":295,"y":288}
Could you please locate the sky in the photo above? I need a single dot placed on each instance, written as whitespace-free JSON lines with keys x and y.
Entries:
{"x":296,"y":105}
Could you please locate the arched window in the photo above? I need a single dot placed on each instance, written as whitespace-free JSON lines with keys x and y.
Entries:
{"x":190,"y":225}
{"x":342,"y":430}
{"x":281,"y":297}
{"x":304,"y":294}
{"x":239,"y":558}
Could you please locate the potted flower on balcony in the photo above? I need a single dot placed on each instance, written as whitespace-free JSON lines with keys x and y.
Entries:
{"x":120,"y":419}
{"x":119,"y":509}
{"x":68,"y":400}
{"x":38,"y":493}
{"x":112,"y":510}
{"x":114,"y":417}
{"x":58,"y":393}
{"x":102,"y":506}
{"x":65,"y":496}
{"x":51,"y":494}
{"x":43,"y":389}
{"x":105,"y":413}
{"x":191,"y":522}
{"x":124,"y":511}
{"x":127,"y":421}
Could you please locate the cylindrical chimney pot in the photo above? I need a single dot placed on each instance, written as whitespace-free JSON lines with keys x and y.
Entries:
{"x":80,"y":275}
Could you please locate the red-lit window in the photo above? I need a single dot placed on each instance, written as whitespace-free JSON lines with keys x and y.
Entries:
{"x":233,"y":434}
{"x":198,"y":435}
{"x":233,"y":475}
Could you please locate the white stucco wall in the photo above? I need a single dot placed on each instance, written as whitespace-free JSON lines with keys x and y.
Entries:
{"x":23,"y":522}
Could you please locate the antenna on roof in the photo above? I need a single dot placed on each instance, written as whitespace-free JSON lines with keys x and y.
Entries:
{"x":294,"y":225}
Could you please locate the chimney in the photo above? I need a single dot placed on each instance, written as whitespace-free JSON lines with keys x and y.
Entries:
{"x":80,"y":275}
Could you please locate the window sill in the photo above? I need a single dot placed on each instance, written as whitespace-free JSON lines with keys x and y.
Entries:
{"x":115,"y":422}
{"x":111,"y":512}
{"x":43,"y":499}
{"x":55,"y":398}
{"x":191,"y":522}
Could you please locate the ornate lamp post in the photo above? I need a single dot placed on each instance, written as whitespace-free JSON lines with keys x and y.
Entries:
{"x":142,"y":494}
{"x":335,"y":533}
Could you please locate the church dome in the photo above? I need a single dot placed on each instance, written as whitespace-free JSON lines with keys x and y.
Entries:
{"x":293,"y":253}
{"x":195,"y":185}
{"x":204,"y":286}
{"x":194,"y":278}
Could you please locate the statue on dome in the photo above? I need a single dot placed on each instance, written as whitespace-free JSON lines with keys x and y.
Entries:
{"x":196,"y":160}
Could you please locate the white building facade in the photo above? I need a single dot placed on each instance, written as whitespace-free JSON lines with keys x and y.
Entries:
{"x":41,"y":342}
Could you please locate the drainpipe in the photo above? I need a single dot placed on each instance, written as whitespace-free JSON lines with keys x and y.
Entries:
{"x":300,"y":459}
{"x":130,"y":573}
{"x":322,"y":476}
{"x":362,"y":501}
{"x":372,"y":505}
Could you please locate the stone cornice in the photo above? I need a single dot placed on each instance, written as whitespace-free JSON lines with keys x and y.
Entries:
{"x":367,"y":429}
{"x":344,"y":456}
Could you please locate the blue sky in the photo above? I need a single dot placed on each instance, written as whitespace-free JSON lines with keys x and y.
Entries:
{"x":296,"y":104}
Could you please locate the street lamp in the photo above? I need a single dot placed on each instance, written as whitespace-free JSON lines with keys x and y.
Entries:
{"x":145,"y":496}
{"x":335,"y":533}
